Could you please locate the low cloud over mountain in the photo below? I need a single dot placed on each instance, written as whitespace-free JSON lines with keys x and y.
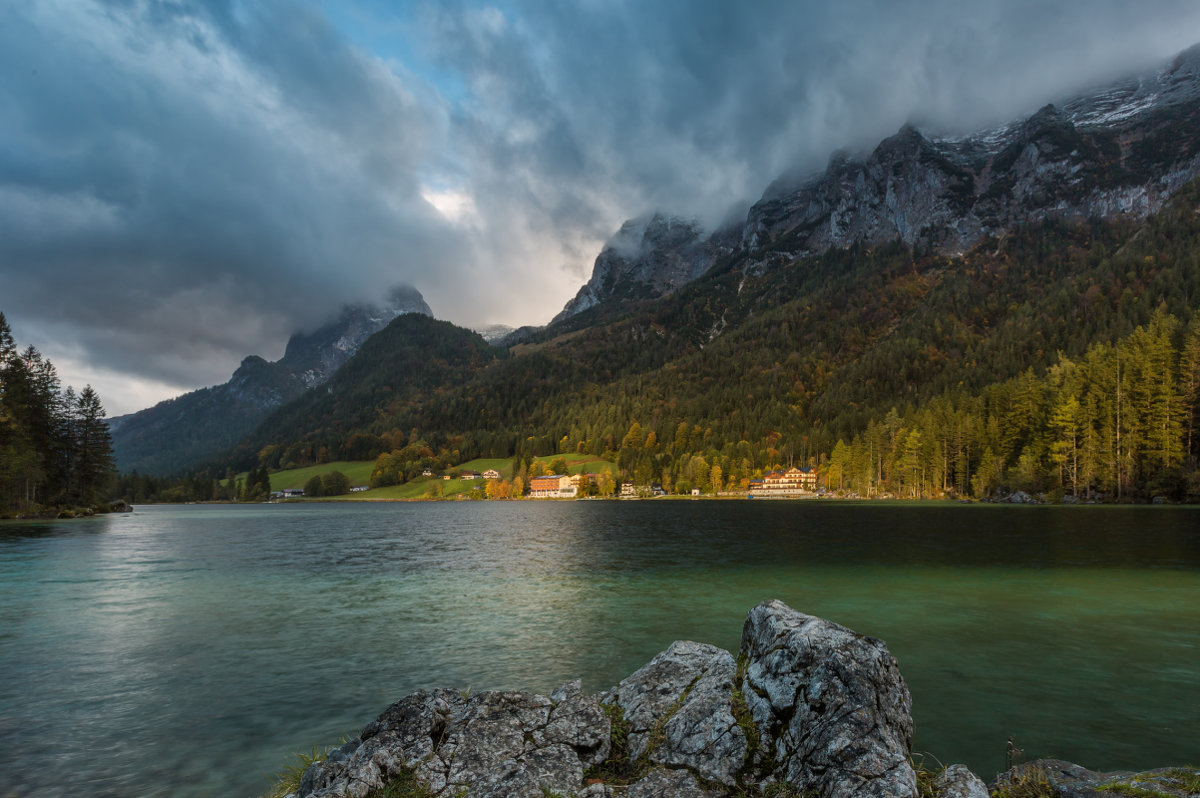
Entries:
{"x":181,"y":184}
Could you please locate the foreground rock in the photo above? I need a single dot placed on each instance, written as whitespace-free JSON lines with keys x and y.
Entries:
{"x":685,"y":697}
{"x":809,"y":707}
{"x":957,"y":781}
{"x":1067,"y":780}
{"x":831,"y":707}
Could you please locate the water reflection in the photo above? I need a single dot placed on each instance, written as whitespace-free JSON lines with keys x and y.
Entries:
{"x":200,"y":645}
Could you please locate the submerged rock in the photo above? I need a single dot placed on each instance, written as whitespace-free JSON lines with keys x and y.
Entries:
{"x":809,"y":706}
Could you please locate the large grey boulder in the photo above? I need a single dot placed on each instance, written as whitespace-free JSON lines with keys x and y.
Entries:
{"x":833,"y":712}
{"x":490,"y":745}
{"x":679,"y":711}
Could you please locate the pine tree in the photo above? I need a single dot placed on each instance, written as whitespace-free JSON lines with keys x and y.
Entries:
{"x":93,"y":448}
{"x":8,"y":346}
{"x":1189,"y":383}
{"x":839,"y":465}
{"x":1067,"y":423}
{"x":911,"y":468}
{"x":1156,"y":421}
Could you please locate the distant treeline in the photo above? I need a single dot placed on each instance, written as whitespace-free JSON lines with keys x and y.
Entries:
{"x":55,"y":448}
{"x":1120,"y":422}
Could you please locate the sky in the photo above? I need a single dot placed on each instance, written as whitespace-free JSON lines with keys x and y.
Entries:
{"x":184,"y":183}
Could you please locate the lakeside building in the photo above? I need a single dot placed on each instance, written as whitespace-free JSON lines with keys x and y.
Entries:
{"x":553,"y":486}
{"x":632,"y":491}
{"x":491,"y":473}
{"x":581,"y":482}
{"x":793,"y":482}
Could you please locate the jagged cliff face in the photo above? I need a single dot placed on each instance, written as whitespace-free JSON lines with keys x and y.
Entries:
{"x":314,"y":357}
{"x":1118,"y":151}
{"x":649,"y":256}
{"x":1121,"y":150}
{"x":182,"y":432}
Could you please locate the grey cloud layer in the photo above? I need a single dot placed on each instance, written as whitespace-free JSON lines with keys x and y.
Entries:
{"x":185,"y":183}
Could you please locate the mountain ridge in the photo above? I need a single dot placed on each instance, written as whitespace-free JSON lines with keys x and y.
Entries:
{"x":179,"y":432}
{"x":1115,"y":150}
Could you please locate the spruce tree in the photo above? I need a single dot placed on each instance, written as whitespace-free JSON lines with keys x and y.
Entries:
{"x":1189,"y":383}
{"x":93,"y":448}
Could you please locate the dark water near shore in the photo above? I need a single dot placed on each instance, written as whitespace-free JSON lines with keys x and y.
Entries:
{"x":191,"y":650}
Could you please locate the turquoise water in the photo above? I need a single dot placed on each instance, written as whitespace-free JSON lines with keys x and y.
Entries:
{"x":191,"y":650}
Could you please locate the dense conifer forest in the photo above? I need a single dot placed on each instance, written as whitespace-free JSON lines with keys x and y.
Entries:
{"x":55,"y":448}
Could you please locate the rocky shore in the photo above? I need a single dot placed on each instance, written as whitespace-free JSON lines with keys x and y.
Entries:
{"x":806,"y":708}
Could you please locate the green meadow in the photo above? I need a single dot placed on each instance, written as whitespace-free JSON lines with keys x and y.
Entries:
{"x":359,"y":473}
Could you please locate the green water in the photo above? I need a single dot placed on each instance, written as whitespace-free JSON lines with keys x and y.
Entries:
{"x":190,"y":650}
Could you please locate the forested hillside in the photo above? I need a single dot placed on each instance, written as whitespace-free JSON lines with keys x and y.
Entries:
{"x":1058,"y":358}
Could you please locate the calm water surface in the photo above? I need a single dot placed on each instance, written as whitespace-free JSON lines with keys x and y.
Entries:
{"x":190,"y":651}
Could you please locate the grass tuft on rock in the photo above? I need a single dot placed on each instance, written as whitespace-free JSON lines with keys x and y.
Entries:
{"x":1028,"y":782}
{"x":617,"y":769}
{"x":925,"y":775}
{"x":287,"y":780}
{"x":1169,"y":783}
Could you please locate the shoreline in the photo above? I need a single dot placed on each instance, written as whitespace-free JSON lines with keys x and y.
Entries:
{"x":891,"y":501}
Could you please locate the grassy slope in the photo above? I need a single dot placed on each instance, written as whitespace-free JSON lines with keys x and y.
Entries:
{"x":360,"y":474}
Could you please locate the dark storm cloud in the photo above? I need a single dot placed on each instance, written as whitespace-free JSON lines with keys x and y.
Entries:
{"x":691,"y":105}
{"x":188,"y":184}
{"x":184,"y":183}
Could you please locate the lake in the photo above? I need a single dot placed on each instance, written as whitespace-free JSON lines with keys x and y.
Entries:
{"x":191,"y":651}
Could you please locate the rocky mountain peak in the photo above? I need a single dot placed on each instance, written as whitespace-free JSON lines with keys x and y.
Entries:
{"x":315,"y":356}
{"x":150,"y":439}
{"x":249,"y":365}
{"x":650,"y":256}
{"x":406,"y":299}
{"x":1119,"y":150}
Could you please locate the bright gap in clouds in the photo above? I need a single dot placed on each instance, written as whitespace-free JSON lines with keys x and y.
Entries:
{"x":456,"y":205}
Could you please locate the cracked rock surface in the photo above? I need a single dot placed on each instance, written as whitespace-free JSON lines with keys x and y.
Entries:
{"x":679,"y":711}
{"x":491,"y":745}
{"x":833,"y":712}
